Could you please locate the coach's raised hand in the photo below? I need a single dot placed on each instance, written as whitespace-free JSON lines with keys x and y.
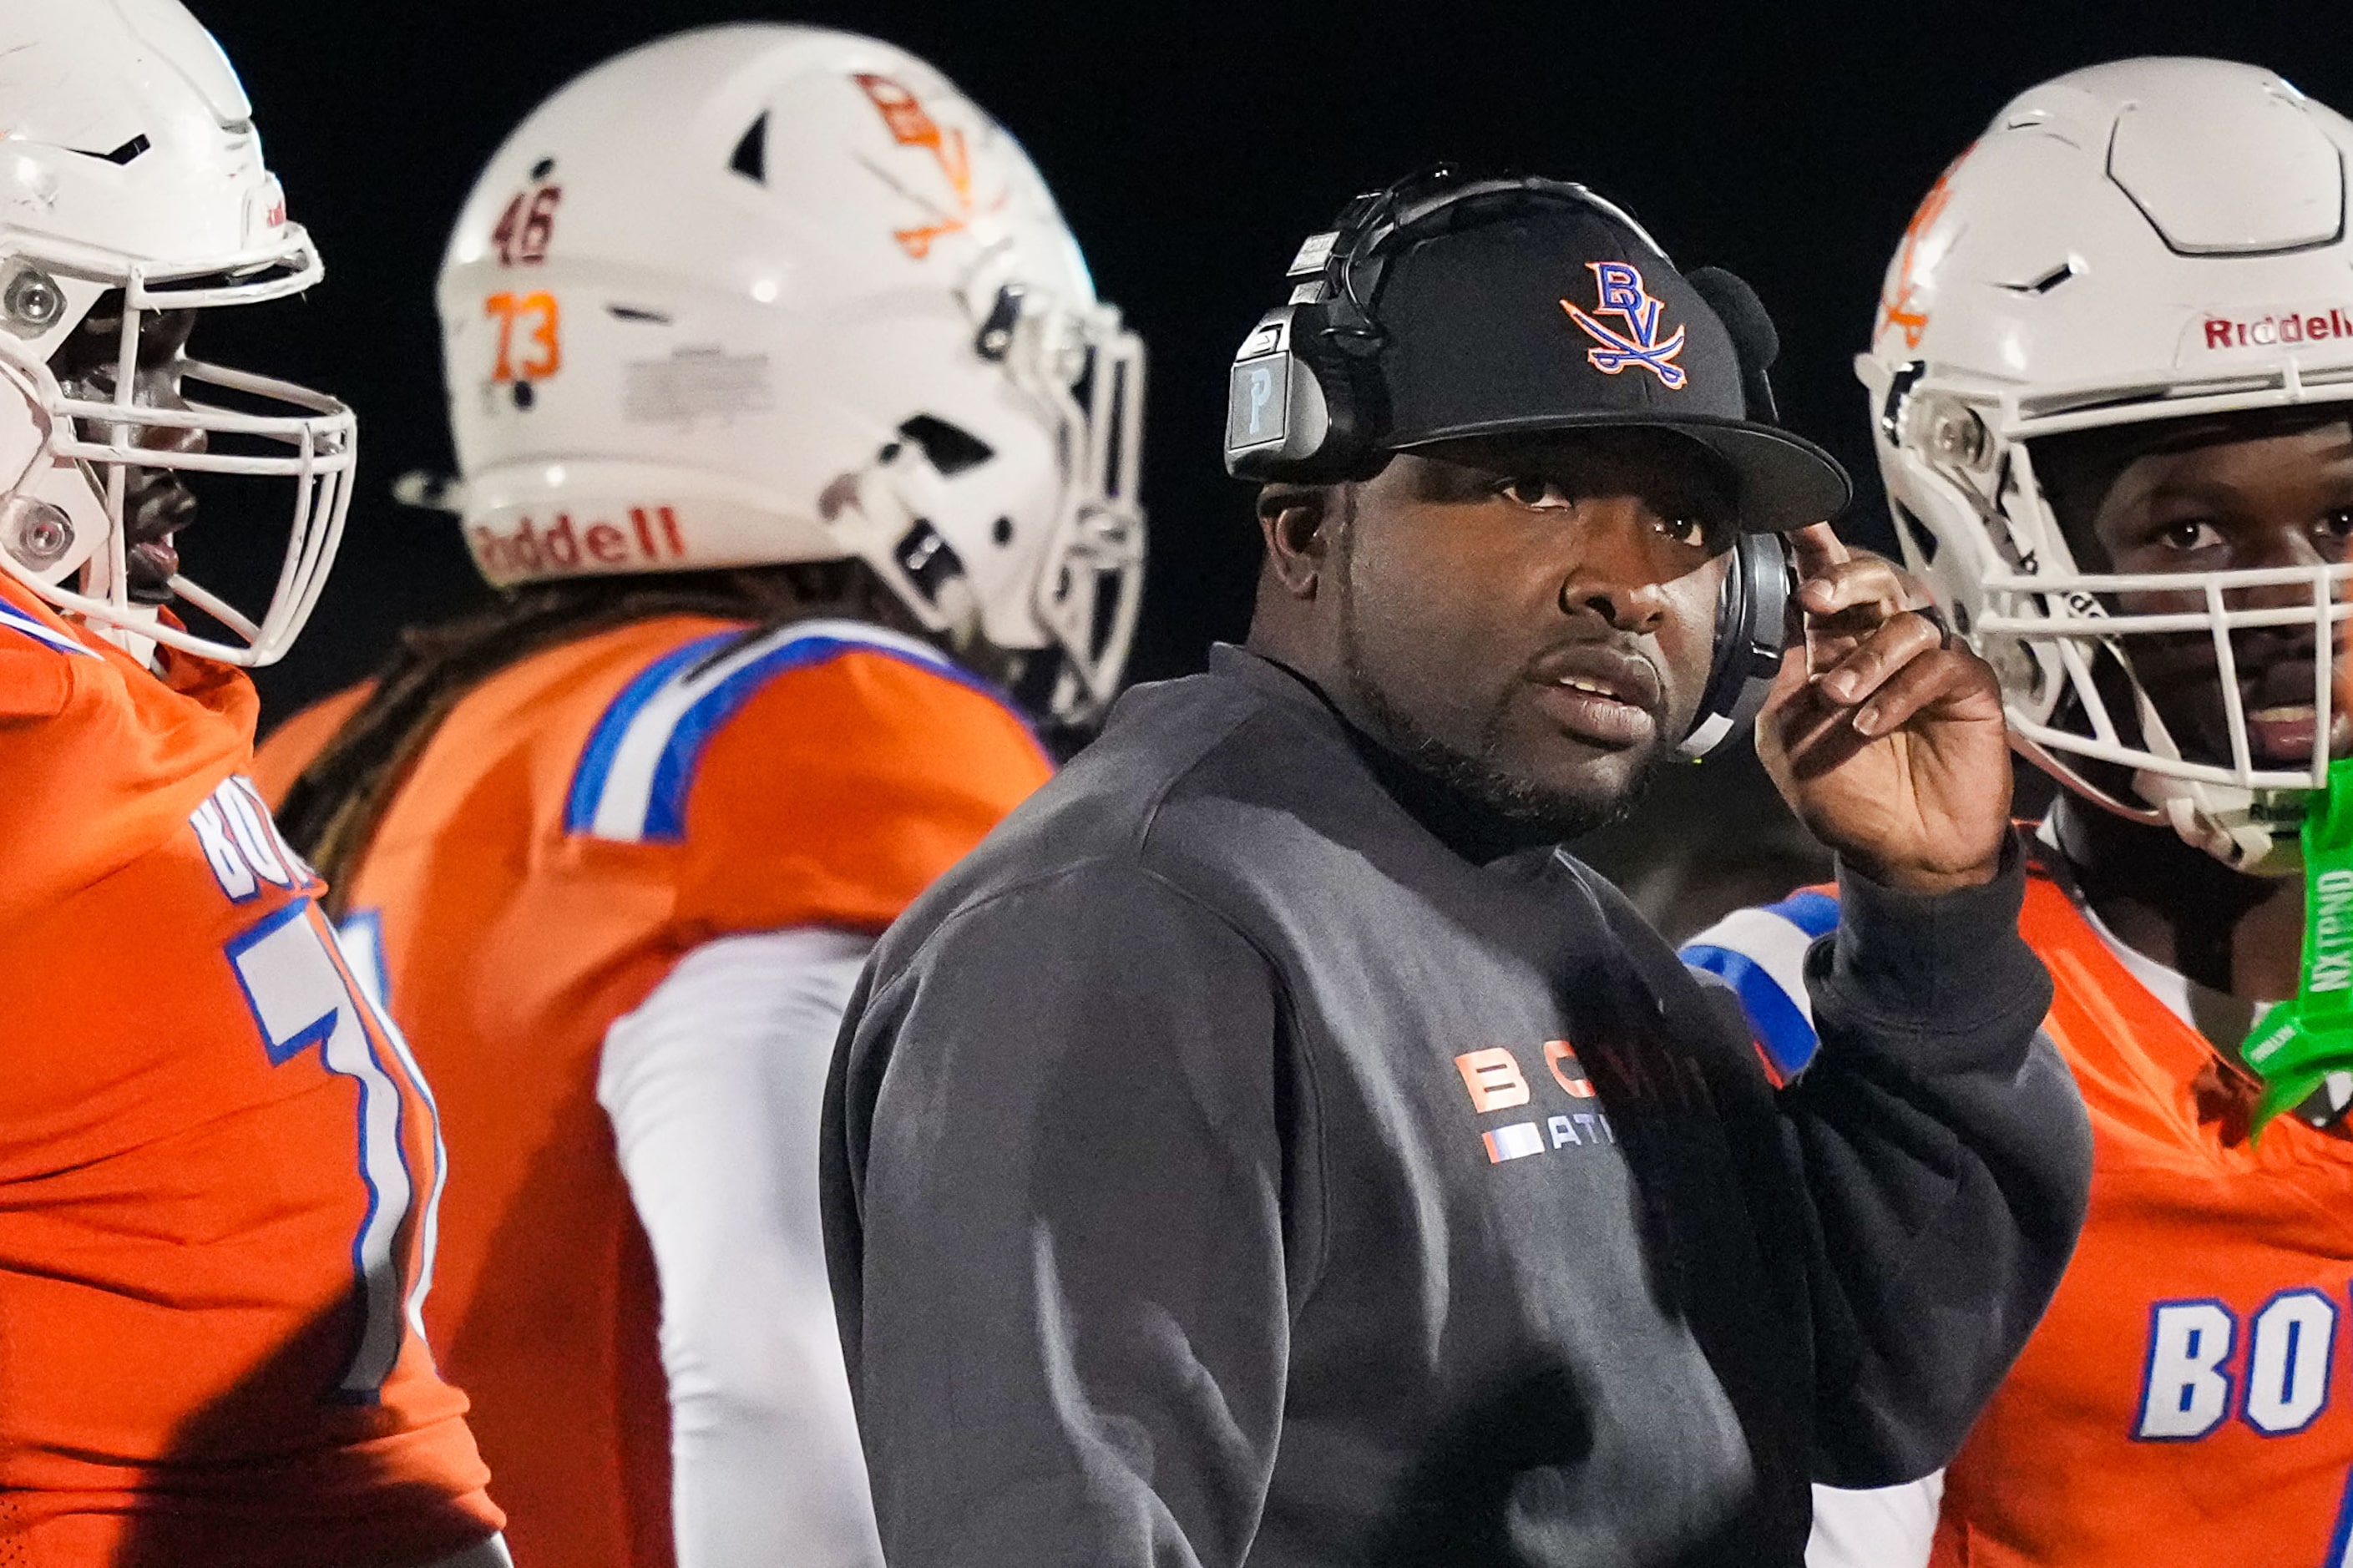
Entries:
{"x":1885,"y":736}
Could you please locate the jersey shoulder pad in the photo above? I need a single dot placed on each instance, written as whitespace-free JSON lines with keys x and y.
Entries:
{"x":101,"y":761}
{"x":35,"y":664}
{"x":824,"y":771}
{"x":1760,"y":953}
{"x":18,"y":625}
{"x":654,"y":747}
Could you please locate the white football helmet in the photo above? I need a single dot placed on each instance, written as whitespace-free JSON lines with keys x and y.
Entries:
{"x":130,"y":170}
{"x":2140,"y":241}
{"x":764,"y":293}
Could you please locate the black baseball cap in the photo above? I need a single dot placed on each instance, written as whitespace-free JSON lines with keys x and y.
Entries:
{"x":1565,"y":316}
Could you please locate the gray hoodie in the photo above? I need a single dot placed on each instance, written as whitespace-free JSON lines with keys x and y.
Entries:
{"x":1220,"y":1169}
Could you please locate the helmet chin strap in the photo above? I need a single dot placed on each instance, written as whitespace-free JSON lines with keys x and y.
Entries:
{"x":2250,"y":831}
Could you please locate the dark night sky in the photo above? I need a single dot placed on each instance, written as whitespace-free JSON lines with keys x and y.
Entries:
{"x":1191,"y":147}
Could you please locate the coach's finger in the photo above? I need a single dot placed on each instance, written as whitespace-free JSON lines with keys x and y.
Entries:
{"x":1925,"y":682}
{"x":1869,"y":583}
{"x":1815,"y":549}
{"x":1896,"y":644}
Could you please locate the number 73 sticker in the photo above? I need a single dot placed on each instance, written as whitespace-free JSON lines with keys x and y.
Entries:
{"x":540,"y":354}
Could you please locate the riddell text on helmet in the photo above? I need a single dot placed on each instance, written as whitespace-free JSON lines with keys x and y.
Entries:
{"x":2287,"y":327}
{"x":651,"y":538}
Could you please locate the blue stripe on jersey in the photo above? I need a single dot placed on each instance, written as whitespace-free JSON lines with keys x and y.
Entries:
{"x":596,"y":760}
{"x":1781,"y":1028}
{"x":1816,"y":914}
{"x":16,"y":620}
{"x":674,"y":774}
{"x":639,"y":769}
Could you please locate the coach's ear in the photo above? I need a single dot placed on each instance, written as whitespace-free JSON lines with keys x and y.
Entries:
{"x":1300,"y":525}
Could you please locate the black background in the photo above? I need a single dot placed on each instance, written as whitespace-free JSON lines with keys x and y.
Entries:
{"x":1191,"y":148}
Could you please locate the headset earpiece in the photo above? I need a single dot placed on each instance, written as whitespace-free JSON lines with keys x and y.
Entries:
{"x":1299,"y":406}
{"x":1276,"y":414}
{"x":1751,"y":630}
{"x":1751,"y":616}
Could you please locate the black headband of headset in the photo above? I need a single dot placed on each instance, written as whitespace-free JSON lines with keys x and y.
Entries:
{"x":1374,"y":226}
{"x":1307,"y":398}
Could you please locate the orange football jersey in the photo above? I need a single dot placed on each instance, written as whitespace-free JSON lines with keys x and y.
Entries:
{"x":2185,"y":1401}
{"x":578,"y":823}
{"x":217,"y":1165}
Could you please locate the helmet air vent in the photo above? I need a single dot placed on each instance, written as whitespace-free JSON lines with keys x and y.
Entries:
{"x":930,"y":563}
{"x":2042,"y":283}
{"x":123,"y":154}
{"x":750,"y":159}
{"x":951,"y":448}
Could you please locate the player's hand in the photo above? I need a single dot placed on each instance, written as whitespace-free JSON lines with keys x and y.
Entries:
{"x":1886,"y":737}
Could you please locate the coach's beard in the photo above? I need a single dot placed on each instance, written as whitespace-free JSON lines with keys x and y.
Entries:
{"x":1480,"y":809}
{"x":1483,"y":811}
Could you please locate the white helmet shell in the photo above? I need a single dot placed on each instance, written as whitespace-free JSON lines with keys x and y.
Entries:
{"x":765,"y":293}
{"x":2146,"y":240}
{"x":130,"y":167}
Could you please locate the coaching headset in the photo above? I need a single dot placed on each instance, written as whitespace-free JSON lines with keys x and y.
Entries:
{"x":1445,"y":307}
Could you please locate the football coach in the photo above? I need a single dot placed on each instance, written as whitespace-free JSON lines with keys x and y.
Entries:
{"x":1270,"y":1147}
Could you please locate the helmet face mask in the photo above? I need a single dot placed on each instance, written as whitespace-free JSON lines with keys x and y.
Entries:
{"x":1089,"y":584}
{"x":180,"y":219}
{"x":885,"y":349}
{"x":2044,"y":292}
{"x":1071,"y":590}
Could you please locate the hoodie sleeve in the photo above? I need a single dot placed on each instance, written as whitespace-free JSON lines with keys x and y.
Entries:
{"x":1946,"y":1160}
{"x":1055,"y":1231}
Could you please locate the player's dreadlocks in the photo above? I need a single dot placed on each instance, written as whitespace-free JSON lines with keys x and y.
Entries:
{"x":332,"y":812}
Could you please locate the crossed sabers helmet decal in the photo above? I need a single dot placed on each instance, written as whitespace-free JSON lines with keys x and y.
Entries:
{"x":1901,"y":309}
{"x":911,"y":125}
{"x":1623,"y":295}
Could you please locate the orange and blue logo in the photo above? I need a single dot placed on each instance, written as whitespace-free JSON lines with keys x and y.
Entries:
{"x":1496,"y":1082}
{"x":911,"y":125}
{"x":1621,"y":292}
{"x":1901,"y":309}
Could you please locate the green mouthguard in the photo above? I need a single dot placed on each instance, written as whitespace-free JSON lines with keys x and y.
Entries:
{"x":2298,"y":1043}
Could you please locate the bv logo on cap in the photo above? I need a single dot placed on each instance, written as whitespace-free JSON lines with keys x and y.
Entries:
{"x":1621,"y":294}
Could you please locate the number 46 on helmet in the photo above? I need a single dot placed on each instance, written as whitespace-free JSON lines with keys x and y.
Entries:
{"x":763,"y":294}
